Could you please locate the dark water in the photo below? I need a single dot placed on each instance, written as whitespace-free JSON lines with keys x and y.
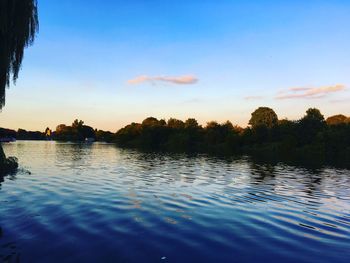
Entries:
{"x":97,"y":203}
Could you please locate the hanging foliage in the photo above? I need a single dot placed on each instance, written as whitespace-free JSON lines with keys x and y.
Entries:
{"x":18,"y":27}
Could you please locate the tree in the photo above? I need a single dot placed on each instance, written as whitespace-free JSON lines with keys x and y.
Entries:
{"x":77,"y":124}
{"x":86,"y":132}
{"x":263,"y":116}
{"x":212,"y":125}
{"x":175,"y":123}
{"x":104,"y":136}
{"x":313,"y":120}
{"x":336,"y":119}
{"x":18,"y":27}
{"x":313,"y":115}
{"x":310,"y":125}
{"x":228,"y":126}
{"x":217,"y":133}
{"x":191,"y":123}
{"x":152,"y":122}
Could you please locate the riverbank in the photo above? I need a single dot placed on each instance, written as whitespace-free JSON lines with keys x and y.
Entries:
{"x":311,"y":140}
{"x":308,"y":141}
{"x":7,"y":165}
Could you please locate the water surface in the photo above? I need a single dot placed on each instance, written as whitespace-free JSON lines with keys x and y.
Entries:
{"x":98,"y":203}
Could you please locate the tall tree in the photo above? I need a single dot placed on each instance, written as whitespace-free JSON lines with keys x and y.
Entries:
{"x":18,"y":27}
{"x":310,"y":125}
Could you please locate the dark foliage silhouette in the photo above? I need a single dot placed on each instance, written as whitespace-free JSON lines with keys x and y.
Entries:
{"x":18,"y":27}
{"x":263,"y":116}
{"x":308,"y":140}
{"x":76,"y":132}
{"x":337,"y":119}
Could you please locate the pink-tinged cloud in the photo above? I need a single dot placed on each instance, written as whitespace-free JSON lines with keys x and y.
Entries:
{"x":344,"y":100}
{"x":253,"y":97}
{"x":299,"y":89}
{"x":310,"y":93}
{"x":181,"y":80}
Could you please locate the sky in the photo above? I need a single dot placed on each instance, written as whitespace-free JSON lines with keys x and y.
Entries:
{"x":111,"y":63}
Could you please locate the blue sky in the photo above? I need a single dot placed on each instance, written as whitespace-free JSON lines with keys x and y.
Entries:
{"x":211,"y":60}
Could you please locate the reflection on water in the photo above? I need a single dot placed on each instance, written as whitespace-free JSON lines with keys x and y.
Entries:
{"x":98,"y":203}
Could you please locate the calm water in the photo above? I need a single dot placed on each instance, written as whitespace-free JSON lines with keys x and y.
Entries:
{"x":98,"y":203}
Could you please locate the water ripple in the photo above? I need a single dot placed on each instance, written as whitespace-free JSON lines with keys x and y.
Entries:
{"x":97,"y":203}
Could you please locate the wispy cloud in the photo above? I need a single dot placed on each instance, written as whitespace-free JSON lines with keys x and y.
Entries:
{"x":310,"y":93}
{"x":344,"y":100}
{"x":180,"y":80}
{"x":253,"y":97}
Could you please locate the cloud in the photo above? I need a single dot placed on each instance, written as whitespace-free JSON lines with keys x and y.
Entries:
{"x":180,"y":80}
{"x":299,"y":89}
{"x":310,"y":93}
{"x":347,"y":100}
{"x":253,"y":97}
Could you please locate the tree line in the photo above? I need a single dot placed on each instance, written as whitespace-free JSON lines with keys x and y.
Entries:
{"x":307,"y":140}
{"x":76,"y":132}
{"x":311,"y":138}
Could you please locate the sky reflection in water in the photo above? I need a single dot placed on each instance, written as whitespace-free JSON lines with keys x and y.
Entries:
{"x":98,"y":203}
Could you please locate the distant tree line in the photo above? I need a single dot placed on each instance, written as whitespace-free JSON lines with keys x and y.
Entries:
{"x":309,"y":139}
{"x":21,"y":134}
{"x":75,"y":133}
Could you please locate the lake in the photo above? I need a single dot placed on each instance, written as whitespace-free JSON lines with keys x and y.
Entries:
{"x":98,"y":203}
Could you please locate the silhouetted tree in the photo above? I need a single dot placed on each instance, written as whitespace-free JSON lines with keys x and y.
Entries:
{"x":126,"y":136}
{"x":336,"y":119}
{"x":175,"y":123}
{"x":212,"y":133}
{"x":7,"y":133}
{"x":313,"y":115}
{"x":105,"y":136}
{"x":285,"y":133}
{"x":18,"y":27}
{"x":263,"y":116}
{"x":307,"y":141}
{"x":77,"y":132}
{"x":191,"y":123}
{"x":77,"y":124}
{"x":310,"y":125}
{"x":86,"y":132}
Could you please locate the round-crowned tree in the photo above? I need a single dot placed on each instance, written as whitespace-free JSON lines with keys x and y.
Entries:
{"x":191,"y":123}
{"x":310,"y":125}
{"x":152,"y":122}
{"x":313,"y":114}
{"x":313,"y":120}
{"x":263,"y":116}
{"x":336,"y":119}
{"x":175,"y":124}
